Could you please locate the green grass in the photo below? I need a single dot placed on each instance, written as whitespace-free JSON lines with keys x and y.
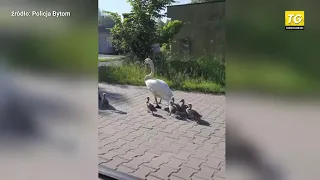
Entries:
{"x":134,"y":73}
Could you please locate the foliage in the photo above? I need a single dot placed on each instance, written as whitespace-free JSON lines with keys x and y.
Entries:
{"x":205,"y":74}
{"x":105,"y":20}
{"x":168,"y":30}
{"x":136,"y":34}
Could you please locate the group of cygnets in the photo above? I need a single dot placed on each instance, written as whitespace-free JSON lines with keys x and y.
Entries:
{"x":180,"y":110}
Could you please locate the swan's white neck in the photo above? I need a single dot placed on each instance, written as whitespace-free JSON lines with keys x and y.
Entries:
{"x":149,"y":76}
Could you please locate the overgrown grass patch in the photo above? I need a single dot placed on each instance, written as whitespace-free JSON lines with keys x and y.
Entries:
{"x":134,"y":73}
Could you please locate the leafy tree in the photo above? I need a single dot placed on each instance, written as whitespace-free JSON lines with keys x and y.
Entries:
{"x":136,"y":34}
{"x":105,"y":20}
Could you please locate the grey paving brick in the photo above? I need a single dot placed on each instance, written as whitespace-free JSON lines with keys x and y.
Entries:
{"x":201,"y":154}
{"x":110,"y":155}
{"x":199,"y":139}
{"x":207,"y":146}
{"x":135,"y":162}
{"x":164,"y":172}
{"x":172,"y":177}
{"x":114,"y":163}
{"x":192,"y":147}
{"x":190,"y":134}
{"x":158,"y":161}
{"x":205,"y":173}
{"x":185,"y":172}
{"x":173,"y":148}
{"x":221,"y":145}
{"x":183,"y":140}
{"x":194,"y":163}
{"x":156,"y":150}
{"x":214,"y":139}
{"x":206,"y":132}
{"x":221,"y":172}
{"x":142,"y":172}
{"x":196,"y":178}
{"x":150,"y":177}
{"x":124,"y":169}
{"x":183,"y":155}
{"x":175,"y":163}
{"x":218,"y":153}
{"x":103,"y":160}
{"x":217,"y":178}
{"x":212,"y":163}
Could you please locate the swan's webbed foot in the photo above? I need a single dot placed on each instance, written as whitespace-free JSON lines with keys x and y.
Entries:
{"x":158,"y":107}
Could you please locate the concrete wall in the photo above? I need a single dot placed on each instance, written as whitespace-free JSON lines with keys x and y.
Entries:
{"x":105,"y":46}
{"x":205,"y":28}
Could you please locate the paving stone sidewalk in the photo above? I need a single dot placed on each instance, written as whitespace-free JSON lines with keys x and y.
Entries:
{"x":158,"y":148}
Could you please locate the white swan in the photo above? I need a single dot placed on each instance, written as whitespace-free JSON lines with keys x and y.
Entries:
{"x":157,"y":87}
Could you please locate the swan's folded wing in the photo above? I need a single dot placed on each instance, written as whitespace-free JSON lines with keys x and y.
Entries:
{"x":160,"y":87}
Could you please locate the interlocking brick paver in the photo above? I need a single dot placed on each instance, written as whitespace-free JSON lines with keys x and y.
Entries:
{"x":164,"y":172}
{"x":183,"y":155}
{"x":185,"y":172}
{"x":152,"y":178}
{"x":194,"y":163}
{"x":142,"y":172}
{"x":221,"y":145}
{"x":135,"y":162}
{"x":156,"y":150}
{"x":175,"y":163}
{"x":201,"y":154}
{"x":124,"y":169}
{"x":192,"y":147}
{"x":196,"y":178}
{"x":174,"y":148}
{"x":110,"y":154}
{"x":222,"y":171}
{"x":217,"y":178}
{"x":183,"y":140}
{"x":207,"y":146}
{"x":172,"y":177}
{"x":205,"y":172}
{"x":213,"y":163}
{"x":190,"y":134}
{"x":150,"y":147}
{"x":199,"y":139}
{"x":214,"y":139}
{"x":218,"y":153}
{"x":158,"y":161}
{"x":114,"y":163}
{"x":103,"y":160}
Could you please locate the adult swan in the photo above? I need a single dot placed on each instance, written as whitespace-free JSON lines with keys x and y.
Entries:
{"x":157,"y":87}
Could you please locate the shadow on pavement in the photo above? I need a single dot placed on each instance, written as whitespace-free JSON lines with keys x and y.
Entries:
{"x":111,"y":108}
{"x":111,"y":96}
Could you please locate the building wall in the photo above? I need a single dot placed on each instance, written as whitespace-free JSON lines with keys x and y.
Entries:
{"x":105,"y":46}
{"x":204,"y":31}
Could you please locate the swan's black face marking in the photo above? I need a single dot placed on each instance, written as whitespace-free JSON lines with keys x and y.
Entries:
{"x":172,"y":99}
{"x":148,"y":99}
{"x":189,"y":106}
